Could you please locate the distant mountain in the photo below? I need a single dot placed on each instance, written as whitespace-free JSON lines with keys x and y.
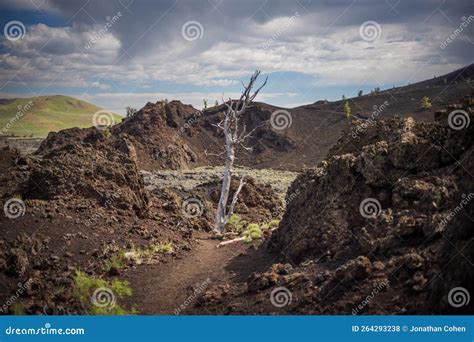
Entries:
{"x":177,"y":136}
{"x":307,"y":132}
{"x":37,"y":116}
{"x":316,"y":127}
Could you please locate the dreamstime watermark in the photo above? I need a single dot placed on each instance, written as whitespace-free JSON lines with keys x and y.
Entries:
{"x":14,"y":30}
{"x":465,"y":200}
{"x":192,"y":30}
{"x":369,"y":297}
{"x":192,"y":208}
{"x":464,"y":24}
{"x":46,"y":330}
{"x":370,"y":208}
{"x":289,"y":198}
{"x":22,"y":110}
{"x":190,"y":121}
{"x":288,"y":22}
{"x":458,"y":119}
{"x":103,"y":297}
{"x":377,"y":110}
{"x":94,"y":217}
{"x":109,"y":22}
{"x":22,"y":287}
{"x":370,"y":31}
{"x":458,"y":296}
{"x":14,"y":208}
{"x":103,"y":119}
{"x":280,"y":297}
{"x":197,"y":291}
{"x":281,"y":119}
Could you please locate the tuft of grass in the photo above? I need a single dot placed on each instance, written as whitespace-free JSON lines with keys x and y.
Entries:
{"x":273,"y":223}
{"x":18,"y":309}
{"x":164,"y":247}
{"x":137,"y":255}
{"x":106,"y":133}
{"x":426,"y":102}
{"x":116,"y":261}
{"x":84,"y":290}
{"x":270,"y":225}
{"x":253,"y":232}
{"x":236,"y":224}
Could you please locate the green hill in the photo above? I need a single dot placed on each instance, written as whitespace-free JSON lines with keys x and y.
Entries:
{"x":37,"y":116}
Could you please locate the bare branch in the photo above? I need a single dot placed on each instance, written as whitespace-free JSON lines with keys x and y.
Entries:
{"x":234,"y":199}
{"x":219,"y":125}
{"x":214,"y":154}
{"x":258,"y":90}
{"x":250,"y":149}
{"x":228,"y":242}
{"x":249,"y":134}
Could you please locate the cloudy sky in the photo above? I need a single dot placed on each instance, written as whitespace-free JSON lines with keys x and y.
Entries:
{"x":128,"y":52}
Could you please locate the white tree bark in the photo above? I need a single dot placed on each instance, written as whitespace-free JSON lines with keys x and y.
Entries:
{"x":234,"y":135}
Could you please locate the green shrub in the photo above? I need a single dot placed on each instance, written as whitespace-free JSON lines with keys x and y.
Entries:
{"x":426,"y":102}
{"x":18,"y":309}
{"x":347,"y":110}
{"x":162,"y":247}
{"x":106,"y":133}
{"x":85,"y":286}
{"x":274,"y":223}
{"x":236,"y":224}
{"x":116,"y":260}
{"x":139,"y":255}
{"x":234,"y":219}
{"x":253,"y":232}
{"x":130,"y":111}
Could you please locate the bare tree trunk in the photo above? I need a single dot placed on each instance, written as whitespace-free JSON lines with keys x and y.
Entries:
{"x":235,"y":198}
{"x":221,"y":214}
{"x":230,"y":126}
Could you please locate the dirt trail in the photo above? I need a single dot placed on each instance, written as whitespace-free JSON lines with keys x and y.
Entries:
{"x":161,"y":289}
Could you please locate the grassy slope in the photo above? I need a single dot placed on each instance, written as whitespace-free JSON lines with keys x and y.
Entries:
{"x":47,"y":114}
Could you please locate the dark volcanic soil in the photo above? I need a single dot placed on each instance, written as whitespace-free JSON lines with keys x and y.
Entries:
{"x":187,"y":278}
{"x":382,"y":226}
{"x":81,"y":204}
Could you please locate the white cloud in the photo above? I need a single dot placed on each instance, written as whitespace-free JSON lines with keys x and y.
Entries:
{"x":86,"y":56}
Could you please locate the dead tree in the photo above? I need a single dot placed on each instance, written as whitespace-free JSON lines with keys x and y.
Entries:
{"x":235,"y":135}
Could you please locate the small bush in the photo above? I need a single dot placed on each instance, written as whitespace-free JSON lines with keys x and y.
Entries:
{"x":274,"y":223}
{"x":347,"y":110}
{"x":138,"y":256}
{"x":130,"y":111}
{"x":162,"y":247}
{"x":236,"y":224}
{"x":252,"y":233}
{"x":18,"y":309}
{"x":426,"y":102}
{"x":234,"y":219}
{"x":85,"y":286}
{"x":116,"y":261}
{"x":106,"y":133}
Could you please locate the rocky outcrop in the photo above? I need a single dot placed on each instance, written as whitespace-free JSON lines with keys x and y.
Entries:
{"x":400,"y":194}
{"x":106,"y":174}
